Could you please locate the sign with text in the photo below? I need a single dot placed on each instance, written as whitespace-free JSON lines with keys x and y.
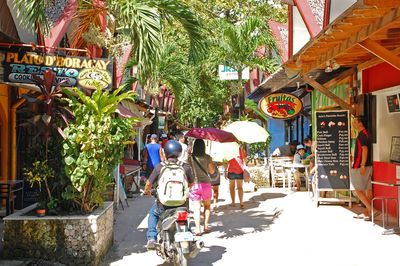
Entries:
{"x":341,"y":89}
{"x":281,"y":105}
{"x":76,"y":71}
{"x":333,"y":150}
{"x":393,"y":103}
{"x":227,"y":73}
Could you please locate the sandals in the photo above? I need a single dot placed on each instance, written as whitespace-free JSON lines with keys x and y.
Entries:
{"x":207,"y":230}
{"x":242,"y":206}
{"x":360,"y":216}
{"x":363,"y":216}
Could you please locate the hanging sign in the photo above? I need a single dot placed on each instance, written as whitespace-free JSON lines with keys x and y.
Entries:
{"x":281,"y":105}
{"x":227,"y":73}
{"x":76,"y":71}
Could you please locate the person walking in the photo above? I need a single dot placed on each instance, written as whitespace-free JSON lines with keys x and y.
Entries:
{"x":153,"y":155}
{"x":361,"y":171}
{"x":184,"y":155}
{"x":203,"y":170}
{"x":215,"y":186}
{"x":234,"y":172}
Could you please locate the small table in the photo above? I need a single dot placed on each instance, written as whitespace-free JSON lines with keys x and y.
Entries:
{"x":391,"y":183}
{"x":134,"y":170}
{"x":7,"y":190}
{"x":294,"y":166}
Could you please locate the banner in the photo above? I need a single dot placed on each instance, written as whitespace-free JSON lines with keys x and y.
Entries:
{"x":76,"y":71}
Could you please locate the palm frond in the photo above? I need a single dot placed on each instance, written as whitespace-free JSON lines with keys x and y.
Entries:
{"x":88,"y":13}
{"x":33,"y":11}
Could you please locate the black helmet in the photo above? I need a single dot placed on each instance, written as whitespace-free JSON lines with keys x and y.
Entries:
{"x":172,"y":149}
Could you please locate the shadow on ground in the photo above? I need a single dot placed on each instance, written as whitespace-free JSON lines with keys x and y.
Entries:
{"x":234,"y":221}
{"x":209,"y":257}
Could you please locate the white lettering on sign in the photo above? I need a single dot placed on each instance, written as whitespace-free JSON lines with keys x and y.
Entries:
{"x":227,"y":73}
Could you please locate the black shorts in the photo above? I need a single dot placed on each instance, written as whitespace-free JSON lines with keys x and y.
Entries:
{"x":233,"y":176}
{"x":149,"y":170}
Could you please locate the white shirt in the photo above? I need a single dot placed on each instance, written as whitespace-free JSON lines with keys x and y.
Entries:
{"x":184,"y":154}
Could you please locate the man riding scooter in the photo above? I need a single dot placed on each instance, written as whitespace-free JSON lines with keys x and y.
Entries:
{"x":172,"y":151}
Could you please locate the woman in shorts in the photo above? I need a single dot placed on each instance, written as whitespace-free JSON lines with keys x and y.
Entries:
{"x":203,"y":168}
{"x":234,"y":172}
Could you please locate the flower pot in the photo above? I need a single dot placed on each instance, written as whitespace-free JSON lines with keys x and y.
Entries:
{"x":41,"y":212}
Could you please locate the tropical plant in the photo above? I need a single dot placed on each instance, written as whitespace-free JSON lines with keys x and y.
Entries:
{"x":39,"y":172}
{"x":33,"y":13}
{"x":94,"y":145}
{"x":168,"y":71}
{"x":54,"y":111}
{"x":55,"y":163}
{"x":141,"y":23}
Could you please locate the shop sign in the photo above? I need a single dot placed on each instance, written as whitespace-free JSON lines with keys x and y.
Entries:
{"x":79,"y":72}
{"x":341,"y":90}
{"x":281,"y":105}
{"x":227,"y":73}
{"x":393,"y":103}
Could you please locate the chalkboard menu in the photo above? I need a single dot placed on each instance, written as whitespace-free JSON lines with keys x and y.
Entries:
{"x":333,"y":150}
{"x":393,"y":103}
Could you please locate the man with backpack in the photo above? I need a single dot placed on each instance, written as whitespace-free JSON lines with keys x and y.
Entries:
{"x":174,"y":178}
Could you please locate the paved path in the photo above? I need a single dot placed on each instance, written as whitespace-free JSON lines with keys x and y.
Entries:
{"x":276,"y":228}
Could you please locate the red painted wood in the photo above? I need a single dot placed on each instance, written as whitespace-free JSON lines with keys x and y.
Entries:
{"x":327,"y":12}
{"x":290,"y":44}
{"x":121,"y":65}
{"x":385,"y":171}
{"x":275,"y":30}
{"x":380,"y":77}
{"x":308,"y":17}
{"x":62,"y":24}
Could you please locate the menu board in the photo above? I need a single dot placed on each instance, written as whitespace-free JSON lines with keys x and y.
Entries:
{"x":393,"y":103}
{"x":395,"y":150}
{"x":333,"y":149}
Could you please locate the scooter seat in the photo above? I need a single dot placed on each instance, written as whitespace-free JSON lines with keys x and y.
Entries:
{"x":170,"y":212}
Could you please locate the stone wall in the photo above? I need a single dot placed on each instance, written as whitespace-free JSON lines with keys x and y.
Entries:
{"x":72,"y":240}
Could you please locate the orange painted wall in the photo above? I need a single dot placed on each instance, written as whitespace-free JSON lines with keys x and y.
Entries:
{"x":5,"y":120}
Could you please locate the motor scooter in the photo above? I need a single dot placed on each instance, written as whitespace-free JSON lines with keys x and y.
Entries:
{"x":176,"y":243}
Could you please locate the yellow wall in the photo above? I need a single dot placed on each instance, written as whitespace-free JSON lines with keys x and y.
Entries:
{"x":4,"y":117}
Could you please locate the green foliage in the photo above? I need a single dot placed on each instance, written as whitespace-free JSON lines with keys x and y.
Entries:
{"x":256,"y":148}
{"x":94,"y":145}
{"x":235,"y":10}
{"x":39,"y":173}
{"x":55,"y":163}
{"x":144,"y":21}
{"x":33,"y":11}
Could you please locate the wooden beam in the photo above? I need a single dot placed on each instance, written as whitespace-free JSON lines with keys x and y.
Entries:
{"x":382,"y":3}
{"x":381,"y":52}
{"x":375,"y":61}
{"x":383,"y":23}
{"x":328,"y":93}
{"x":344,"y":74}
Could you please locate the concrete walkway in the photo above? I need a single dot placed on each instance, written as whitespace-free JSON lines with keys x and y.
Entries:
{"x":277,"y":227}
